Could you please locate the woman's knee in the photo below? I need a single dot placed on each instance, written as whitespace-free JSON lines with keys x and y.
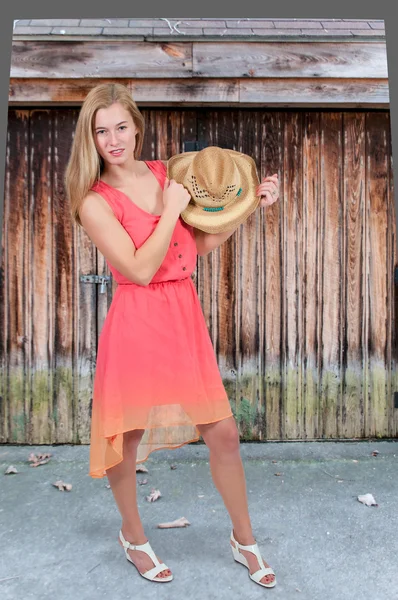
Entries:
{"x":222,"y":436}
{"x":132,"y":439}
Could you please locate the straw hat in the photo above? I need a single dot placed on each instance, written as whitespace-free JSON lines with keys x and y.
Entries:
{"x":222,"y":184}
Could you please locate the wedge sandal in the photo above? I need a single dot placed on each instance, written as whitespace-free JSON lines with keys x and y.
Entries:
{"x":240,"y":558}
{"x":151,"y":573}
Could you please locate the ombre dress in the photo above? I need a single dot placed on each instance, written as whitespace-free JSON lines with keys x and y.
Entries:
{"x":156,"y":367}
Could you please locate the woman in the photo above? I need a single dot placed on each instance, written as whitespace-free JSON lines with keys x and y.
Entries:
{"x":157,"y":384}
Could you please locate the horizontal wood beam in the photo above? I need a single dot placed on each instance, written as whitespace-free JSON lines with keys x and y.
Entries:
{"x":355,"y":93}
{"x":291,"y":60}
{"x":181,"y":60}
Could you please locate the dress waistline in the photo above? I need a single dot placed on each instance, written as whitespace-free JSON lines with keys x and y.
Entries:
{"x":156,"y":282}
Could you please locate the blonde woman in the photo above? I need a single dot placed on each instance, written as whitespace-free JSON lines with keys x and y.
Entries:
{"x":157,"y":384}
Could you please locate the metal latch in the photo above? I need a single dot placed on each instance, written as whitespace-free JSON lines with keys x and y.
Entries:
{"x":102,"y":279}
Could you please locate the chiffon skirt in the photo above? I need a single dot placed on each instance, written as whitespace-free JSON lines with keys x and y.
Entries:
{"x":156,"y":370}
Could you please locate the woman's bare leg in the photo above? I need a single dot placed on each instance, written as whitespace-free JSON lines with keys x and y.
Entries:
{"x":122,"y":479}
{"x":222,"y":439}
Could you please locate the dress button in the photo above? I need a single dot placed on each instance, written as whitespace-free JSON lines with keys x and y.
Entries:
{"x":180,"y":256}
{"x":184,"y":268}
{"x":175,"y":243}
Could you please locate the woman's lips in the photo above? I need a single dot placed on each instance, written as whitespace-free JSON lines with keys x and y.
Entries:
{"x":117,"y":152}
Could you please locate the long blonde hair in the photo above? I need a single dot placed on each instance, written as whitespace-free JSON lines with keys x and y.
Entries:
{"x":85,"y":165}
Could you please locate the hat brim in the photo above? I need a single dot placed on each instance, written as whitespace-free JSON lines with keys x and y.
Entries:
{"x":235,"y":212}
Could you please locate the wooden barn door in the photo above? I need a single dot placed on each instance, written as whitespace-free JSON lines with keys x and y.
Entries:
{"x":299,"y":302}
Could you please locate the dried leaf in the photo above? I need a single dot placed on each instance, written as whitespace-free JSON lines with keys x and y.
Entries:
{"x":62,"y":486}
{"x":173,"y":467}
{"x":375,"y":452}
{"x":141,"y":469}
{"x":278,"y":474}
{"x":38,"y":459}
{"x":142,"y":481}
{"x":181,"y":522}
{"x":368,"y":500}
{"x":274,"y":461}
{"x":154,"y":495}
{"x":11,"y":469}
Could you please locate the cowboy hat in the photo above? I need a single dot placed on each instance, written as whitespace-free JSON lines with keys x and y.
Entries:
{"x":222,"y":184}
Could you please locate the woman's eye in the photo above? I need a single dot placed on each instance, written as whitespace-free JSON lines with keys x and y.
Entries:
{"x":101,"y":131}
{"x":122,"y":127}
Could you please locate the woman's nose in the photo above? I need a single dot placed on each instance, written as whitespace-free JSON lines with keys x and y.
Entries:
{"x":113,"y":139}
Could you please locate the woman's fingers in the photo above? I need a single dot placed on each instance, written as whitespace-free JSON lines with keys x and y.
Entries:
{"x":268,"y":187}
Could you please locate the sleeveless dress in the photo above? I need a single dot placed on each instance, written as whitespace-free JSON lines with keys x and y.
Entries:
{"x":156,"y":367}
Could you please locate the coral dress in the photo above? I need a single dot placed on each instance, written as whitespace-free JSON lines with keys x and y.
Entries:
{"x":156,"y":367}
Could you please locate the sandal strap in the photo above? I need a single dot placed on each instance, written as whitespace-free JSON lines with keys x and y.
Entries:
{"x":141,"y":547}
{"x":258,"y":575}
{"x":152,"y":573}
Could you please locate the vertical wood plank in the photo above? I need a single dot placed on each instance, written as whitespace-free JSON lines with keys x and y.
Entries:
{"x":270,"y":277}
{"x":15,"y":335}
{"x":392,"y":262}
{"x":375,"y":253}
{"x":330,"y":273}
{"x":61,"y":340}
{"x":292,"y":275}
{"x":42,"y":279}
{"x":356,"y":280}
{"x":311,"y":299}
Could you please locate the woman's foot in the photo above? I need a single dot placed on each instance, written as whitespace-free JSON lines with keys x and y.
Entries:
{"x":142,"y":561}
{"x":252,"y":560}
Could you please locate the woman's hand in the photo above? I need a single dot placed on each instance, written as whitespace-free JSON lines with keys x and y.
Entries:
{"x":175,"y":196}
{"x":268,"y":190}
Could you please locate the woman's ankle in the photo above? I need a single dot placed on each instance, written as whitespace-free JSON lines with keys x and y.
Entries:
{"x":134,"y":535}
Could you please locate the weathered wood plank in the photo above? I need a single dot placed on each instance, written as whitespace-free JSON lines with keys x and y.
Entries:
{"x":292,"y":276}
{"x":319,"y":93}
{"x":370,"y":93}
{"x":15,"y":285}
{"x":61,"y":338}
{"x":291,"y":59}
{"x":329,"y":274}
{"x":40,"y":220}
{"x":99,"y":59}
{"x":355,"y":358}
{"x":270,"y":277}
{"x":311,"y":299}
{"x":392,"y":292}
{"x":375,"y":251}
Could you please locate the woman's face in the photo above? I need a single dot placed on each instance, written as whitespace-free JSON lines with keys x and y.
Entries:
{"x":114,"y":134}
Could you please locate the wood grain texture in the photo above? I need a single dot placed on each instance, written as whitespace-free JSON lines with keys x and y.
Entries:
{"x":99,"y":59}
{"x":291,"y":59}
{"x":196,"y":92}
{"x":300,"y":302}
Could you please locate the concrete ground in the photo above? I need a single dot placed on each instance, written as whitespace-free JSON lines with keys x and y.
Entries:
{"x":322,"y":543}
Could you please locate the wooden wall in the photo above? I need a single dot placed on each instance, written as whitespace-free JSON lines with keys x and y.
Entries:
{"x":299,"y":302}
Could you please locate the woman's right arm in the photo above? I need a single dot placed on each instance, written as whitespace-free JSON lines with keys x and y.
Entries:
{"x":115,"y":244}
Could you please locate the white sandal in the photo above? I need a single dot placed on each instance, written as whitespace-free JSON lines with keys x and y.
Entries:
{"x":151,"y":573}
{"x":240,"y":558}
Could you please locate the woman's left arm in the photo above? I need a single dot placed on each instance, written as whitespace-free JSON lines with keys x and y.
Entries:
{"x":268,"y":190}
